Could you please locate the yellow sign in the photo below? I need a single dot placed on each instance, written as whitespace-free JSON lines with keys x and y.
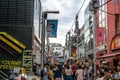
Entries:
{"x":115,"y":44}
{"x":28,"y":69}
{"x":5,"y":64}
{"x":27,"y":60}
{"x":27,"y":55}
{"x":13,"y":39}
{"x":10,"y":44}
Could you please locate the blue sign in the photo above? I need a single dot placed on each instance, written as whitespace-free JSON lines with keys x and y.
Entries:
{"x":52,"y":28}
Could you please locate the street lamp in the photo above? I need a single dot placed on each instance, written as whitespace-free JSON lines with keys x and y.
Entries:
{"x":44,"y":17}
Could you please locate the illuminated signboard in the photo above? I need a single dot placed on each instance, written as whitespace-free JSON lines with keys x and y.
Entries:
{"x":74,"y":52}
{"x":115,"y":44}
{"x":5,"y":64}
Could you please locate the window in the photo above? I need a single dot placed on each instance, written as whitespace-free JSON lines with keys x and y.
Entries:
{"x":117,"y":24}
{"x":116,"y":1}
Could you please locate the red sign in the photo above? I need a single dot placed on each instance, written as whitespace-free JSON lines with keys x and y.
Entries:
{"x":100,"y":34}
{"x":115,"y":44}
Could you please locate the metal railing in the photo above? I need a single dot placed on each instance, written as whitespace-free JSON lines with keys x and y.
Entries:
{"x":3,"y":75}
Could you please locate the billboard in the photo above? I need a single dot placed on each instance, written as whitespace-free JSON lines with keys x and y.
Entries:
{"x":13,"y":40}
{"x":52,"y":28}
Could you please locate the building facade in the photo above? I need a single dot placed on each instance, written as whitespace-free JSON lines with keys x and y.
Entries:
{"x":16,"y":12}
{"x":37,"y":31}
{"x":56,"y":50}
{"x":107,"y":32}
{"x":85,"y":37}
{"x":16,"y":34}
{"x":109,"y":19}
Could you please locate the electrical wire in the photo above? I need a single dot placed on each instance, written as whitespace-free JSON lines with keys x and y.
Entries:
{"x":81,"y":7}
{"x":71,"y":27}
{"x":104,"y":4}
{"x":96,"y":8}
{"x":106,"y":12}
{"x":77,"y":15}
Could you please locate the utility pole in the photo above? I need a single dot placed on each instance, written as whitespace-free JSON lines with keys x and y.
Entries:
{"x":94,"y":46}
{"x":93,"y":7}
{"x":94,"y":37}
{"x":39,"y":16}
{"x":44,"y":17}
{"x":43,"y":39}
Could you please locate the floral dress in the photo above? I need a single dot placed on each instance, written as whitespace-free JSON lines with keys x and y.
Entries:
{"x":79,"y":74}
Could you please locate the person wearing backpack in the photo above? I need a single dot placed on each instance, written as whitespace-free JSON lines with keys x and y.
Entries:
{"x":58,"y":73}
{"x":44,"y":72}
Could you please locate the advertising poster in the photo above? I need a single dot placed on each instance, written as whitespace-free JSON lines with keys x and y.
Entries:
{"x":52,"y":28}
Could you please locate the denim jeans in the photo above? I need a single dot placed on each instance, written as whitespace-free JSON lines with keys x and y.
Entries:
{"x":68,"y":77}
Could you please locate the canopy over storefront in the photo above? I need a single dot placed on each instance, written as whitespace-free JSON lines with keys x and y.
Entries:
{"x":109,"y":55}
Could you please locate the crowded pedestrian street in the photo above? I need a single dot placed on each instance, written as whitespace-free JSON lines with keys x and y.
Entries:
{"x":59,"y":39}
{"x":80,"y":70}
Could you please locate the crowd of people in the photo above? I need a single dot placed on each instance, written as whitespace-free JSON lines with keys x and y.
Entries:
{"x":83,"y":70}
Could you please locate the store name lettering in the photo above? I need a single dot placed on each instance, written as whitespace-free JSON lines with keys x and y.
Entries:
{"x":9,"y":64}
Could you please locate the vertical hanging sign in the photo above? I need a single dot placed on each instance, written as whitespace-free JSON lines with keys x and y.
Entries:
{"x":27,"y":60}
{"x":100,"y":34}
{"x":52,"y":28}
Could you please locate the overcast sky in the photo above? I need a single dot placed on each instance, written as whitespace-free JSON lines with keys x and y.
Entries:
{"x":66,"y":17}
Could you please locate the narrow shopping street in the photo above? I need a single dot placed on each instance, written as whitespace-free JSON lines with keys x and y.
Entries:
{"x":59,"y":39}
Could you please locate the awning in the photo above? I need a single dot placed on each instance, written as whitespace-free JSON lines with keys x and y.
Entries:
{"x":108,"y":55}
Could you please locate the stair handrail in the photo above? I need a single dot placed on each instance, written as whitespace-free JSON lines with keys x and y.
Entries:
{"x":4,"y":73}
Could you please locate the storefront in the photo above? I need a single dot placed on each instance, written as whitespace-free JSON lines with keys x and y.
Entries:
{"x":113,"y":56}
{"x":115,"y":49}
{"x":112,"y":59}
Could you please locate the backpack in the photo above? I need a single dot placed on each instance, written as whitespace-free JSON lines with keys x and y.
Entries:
{"x":42,"y":73}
